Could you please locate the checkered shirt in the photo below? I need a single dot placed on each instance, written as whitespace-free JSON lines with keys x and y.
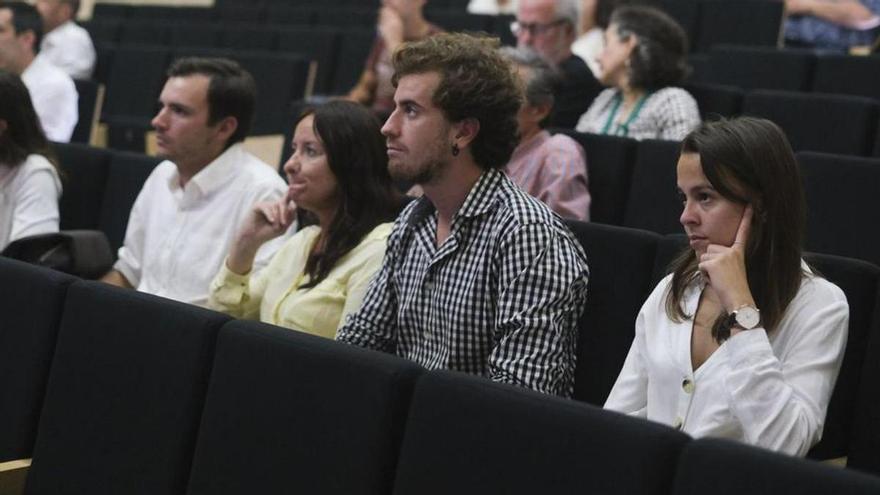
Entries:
{"x":499,"y":298}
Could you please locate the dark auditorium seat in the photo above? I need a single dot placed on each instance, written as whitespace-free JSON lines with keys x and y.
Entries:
{"x":860,"y":282}
{"x":848,"y":74}
{"x":134,"y":83}
{"x":91,"y":99}
{"x":653,"y":203}
{"x":621,"y":262}
{"x":125,"y":177}
{"x":466,"y":435}
{"x":188,"y":34}
{"x":738,"y":22}
{"x":753,"y":67}
{"x":85,"y":177}
{"x":726,"y":468}
{"x":143,"y":32}
{"x":716,"y":100}
{"x":843,"y":208}
{"x":353,"y":50}
{"x":864,"y":449}
{"x":125,"y":394}
{"x":320,"y":44}
{"x":610,"y":162}
{"x":288,"y":412}
{"x":248,"y":37}
{"x":32,"y":299}
{"x":281,"y":79}
{"x":839,"y":124}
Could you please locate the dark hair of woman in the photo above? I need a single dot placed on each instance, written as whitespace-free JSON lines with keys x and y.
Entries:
{"x":358,"y":158}
{"x":749,"y":160}
{"x":22,"y":135}
{"x":660,"y":56}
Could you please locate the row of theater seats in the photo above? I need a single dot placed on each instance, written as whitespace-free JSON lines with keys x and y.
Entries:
{"x":830,"y":123}
{"x":633,"y":184}
{"x":134,"y":76}
{"x":114,"y":391}
{"x":707,"y":22}
{"x":625,"y":263}
{"x":788,"y":70}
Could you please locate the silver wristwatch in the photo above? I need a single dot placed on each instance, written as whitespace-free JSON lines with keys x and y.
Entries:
{"x":746,"y":317}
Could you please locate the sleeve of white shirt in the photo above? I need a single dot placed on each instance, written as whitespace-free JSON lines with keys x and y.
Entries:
{"x":130,"y":262}
{"x":36,"y":205}
{"x":781,"y":401}
{"x":62,"y":99}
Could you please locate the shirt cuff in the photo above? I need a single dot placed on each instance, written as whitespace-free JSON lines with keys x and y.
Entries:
{"x":747,"y":346}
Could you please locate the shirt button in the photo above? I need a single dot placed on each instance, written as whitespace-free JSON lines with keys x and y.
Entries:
{"x":678,"y":422}
{"x":688,"y":386}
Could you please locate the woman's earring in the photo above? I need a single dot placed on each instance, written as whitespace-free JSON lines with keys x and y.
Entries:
{"x":455,"y":149}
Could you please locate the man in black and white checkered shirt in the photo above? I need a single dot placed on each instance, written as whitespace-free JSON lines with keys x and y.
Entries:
{"x":478,"y":276}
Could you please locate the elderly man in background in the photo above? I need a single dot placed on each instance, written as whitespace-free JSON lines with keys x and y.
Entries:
{"x":549,"y":27}
{"x":552,"y":168}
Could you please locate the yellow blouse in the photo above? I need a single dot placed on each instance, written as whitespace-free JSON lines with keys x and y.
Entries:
{"x":273,"y":294}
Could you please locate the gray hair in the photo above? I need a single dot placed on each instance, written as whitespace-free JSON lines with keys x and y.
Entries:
{"x":542,"y":78}
{"x":569,"y":11}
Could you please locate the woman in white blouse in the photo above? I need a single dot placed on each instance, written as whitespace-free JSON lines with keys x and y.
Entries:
{"x":642,"y":62}
{"x":29,"y":182}
{"x":742,"y":340}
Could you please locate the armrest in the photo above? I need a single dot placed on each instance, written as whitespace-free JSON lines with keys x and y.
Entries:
{"x":13,"y":475}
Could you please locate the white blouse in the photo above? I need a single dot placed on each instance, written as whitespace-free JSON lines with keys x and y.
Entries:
{"x":28,"y":199}
{"x":771,"y":391}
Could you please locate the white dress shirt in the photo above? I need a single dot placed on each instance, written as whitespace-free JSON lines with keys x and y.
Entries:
{"x":588,"y":46}
{"x":491,"y":7}
{"x":55,"y":98}
{"x":69,"y":47}
{"x":28,"y":199}
{"x":177,"y":238}
{"x":767,"y":391}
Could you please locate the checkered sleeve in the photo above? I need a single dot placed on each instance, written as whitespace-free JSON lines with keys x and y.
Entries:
{"x":374,"y":326}
{"x":542,"y":281}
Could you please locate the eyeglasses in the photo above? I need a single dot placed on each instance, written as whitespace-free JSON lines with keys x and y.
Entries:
{"x":533,"y":28}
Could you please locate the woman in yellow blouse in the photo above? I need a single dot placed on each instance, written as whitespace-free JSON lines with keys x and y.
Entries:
{"x":338,"y":180}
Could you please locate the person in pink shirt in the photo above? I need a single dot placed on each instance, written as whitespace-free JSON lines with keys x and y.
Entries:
{"x":552,"y":168}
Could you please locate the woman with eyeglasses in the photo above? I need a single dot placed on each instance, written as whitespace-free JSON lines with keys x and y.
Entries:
{"x":643,"y":62}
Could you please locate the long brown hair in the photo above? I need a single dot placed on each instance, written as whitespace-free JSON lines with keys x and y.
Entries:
{"x":749,"y":160}
{"x":357,"y":157}
{"x":23,"y":135}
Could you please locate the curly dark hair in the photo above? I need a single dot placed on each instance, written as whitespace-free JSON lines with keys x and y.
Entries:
{"x":475,"y":82}
{"x":660,"y":56}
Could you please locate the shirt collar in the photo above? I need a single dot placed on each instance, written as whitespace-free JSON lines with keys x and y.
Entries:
{"x":530,"y":144}
{"x":478,"y":201}
{"x":216,"y":174}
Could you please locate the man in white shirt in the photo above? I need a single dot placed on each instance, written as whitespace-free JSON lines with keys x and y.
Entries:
{"x":188,"y":210}
{"x":68,"y":46}
{"x":52,"y":91}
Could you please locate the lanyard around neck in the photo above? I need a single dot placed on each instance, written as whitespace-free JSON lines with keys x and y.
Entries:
{"x":623,"y":129}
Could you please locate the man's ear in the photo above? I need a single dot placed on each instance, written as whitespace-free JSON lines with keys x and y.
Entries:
{"x":466,"y":131}
{"x":227,"y":127}
{"x":540,"y":112}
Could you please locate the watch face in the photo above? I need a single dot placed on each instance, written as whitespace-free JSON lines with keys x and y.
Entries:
{"x":748,"y":317}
